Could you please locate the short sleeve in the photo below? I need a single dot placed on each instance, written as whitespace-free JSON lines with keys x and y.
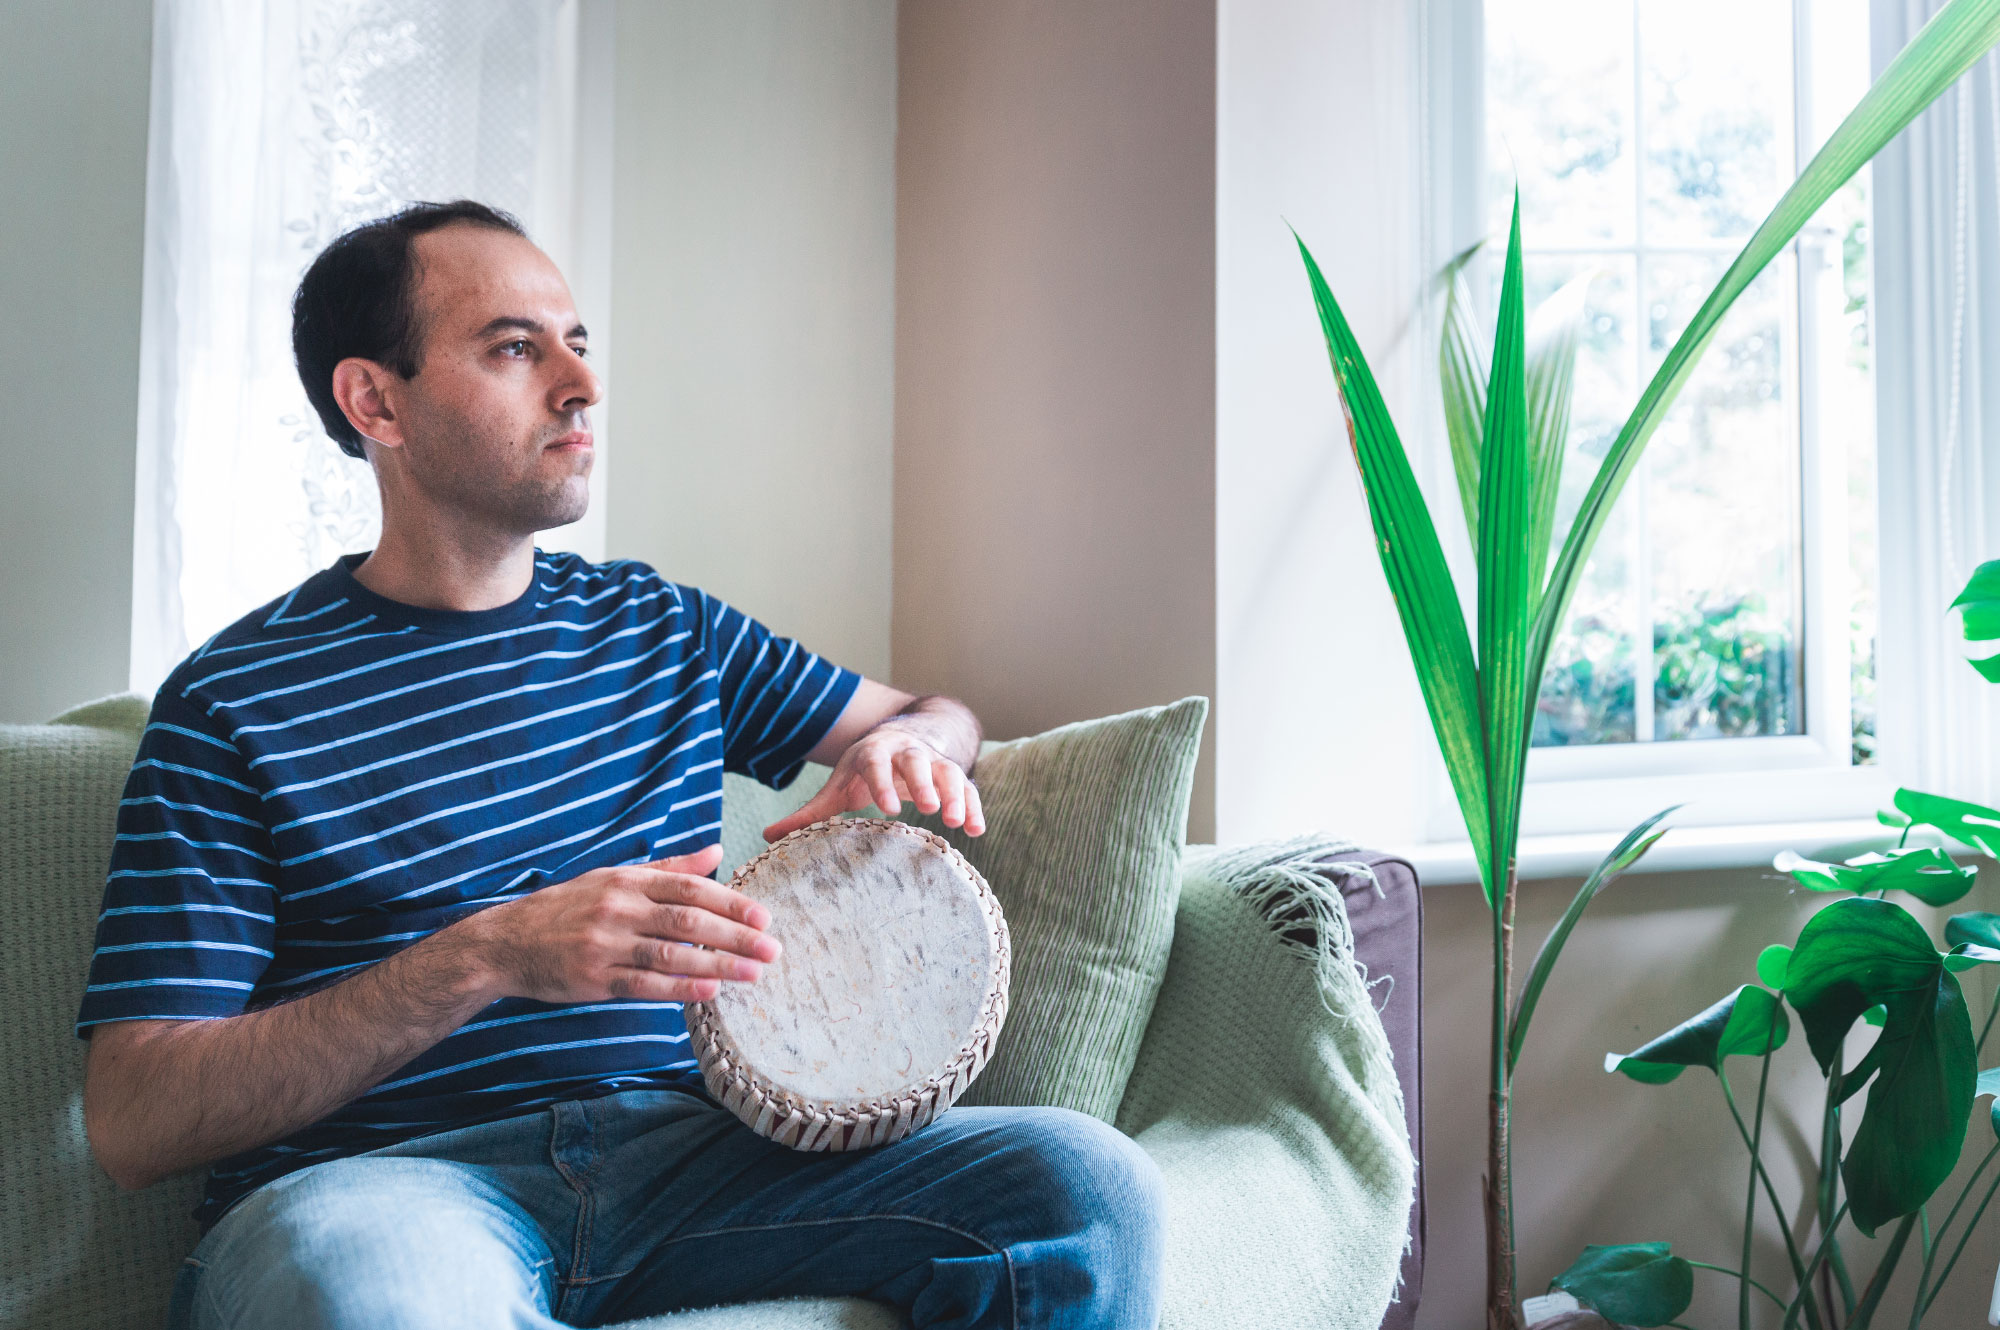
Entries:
{"x":778,"y":699}
{"x":190,"y":898}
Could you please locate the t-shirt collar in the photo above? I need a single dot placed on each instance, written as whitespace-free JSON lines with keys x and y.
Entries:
{"x":450,"y":623}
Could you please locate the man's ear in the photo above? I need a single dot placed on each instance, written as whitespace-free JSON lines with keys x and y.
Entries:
{"x":363,"y":390}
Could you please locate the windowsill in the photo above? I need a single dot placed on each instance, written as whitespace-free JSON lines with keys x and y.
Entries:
{"x":1682,"y":849}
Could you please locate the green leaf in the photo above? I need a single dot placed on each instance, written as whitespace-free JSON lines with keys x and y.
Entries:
{"x":1741,"y":1024}
{"x":1771,"y":963}
{"x":1877,"y":1016}
{"x":1962,"y":958}
{"x":1969,"y":824}
{"x":1614,"y":865}
{"x":1981,"y":928}
{"x":1554,"y":332}
{"x":1506,"y":596}
{"x":1957,"y":36}
{"x":1852,"y":955}
{"x":1463,"y":358}
{"x":1639,"y":1283}
{"x":1412,"y":560}
{"x":1989,"y":1083}
{"x":1981,"y":602}
{"x":1924,"y":871}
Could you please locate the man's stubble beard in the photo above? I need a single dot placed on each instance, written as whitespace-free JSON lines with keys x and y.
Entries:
{"x":517,"y":506}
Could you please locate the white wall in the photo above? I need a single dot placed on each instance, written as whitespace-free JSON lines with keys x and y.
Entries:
{"x":73,"y":93}
{"x":1316,"y":127}
{"x":753,"y":312}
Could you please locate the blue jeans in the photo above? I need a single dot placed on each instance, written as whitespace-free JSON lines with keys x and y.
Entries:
{"x":597,"y":1211}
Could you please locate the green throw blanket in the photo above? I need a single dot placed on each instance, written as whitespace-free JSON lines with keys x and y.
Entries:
{"x":1279,"y":1125}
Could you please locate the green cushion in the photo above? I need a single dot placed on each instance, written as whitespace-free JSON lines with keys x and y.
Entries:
{"x":74,"y":1250}
{"x":1084,"y":830}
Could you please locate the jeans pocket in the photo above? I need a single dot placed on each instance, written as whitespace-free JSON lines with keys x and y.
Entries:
{"x":180,"y":1309}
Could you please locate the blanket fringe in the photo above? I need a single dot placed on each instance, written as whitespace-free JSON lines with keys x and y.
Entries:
{"x":1292,"y":884}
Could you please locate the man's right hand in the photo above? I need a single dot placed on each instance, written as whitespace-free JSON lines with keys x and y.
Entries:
{"x":658,"y":932}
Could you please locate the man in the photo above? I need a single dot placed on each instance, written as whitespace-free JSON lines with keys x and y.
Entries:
{"x":393,"y":933}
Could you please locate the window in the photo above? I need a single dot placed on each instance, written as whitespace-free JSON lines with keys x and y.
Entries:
{"x":277,"y":125}
{"x":1725,"y":623}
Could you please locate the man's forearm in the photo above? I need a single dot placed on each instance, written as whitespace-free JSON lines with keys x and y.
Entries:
{"x":944,"y":723}
{"x":164,"y":1096}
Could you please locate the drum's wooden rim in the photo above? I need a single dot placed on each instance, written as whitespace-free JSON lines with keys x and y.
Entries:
{"x":774,"y":1112}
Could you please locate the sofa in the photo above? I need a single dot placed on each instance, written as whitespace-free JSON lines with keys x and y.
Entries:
{"x":1257,"y":1235}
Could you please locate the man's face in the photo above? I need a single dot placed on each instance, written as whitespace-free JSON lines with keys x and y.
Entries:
{"x":494,"y":424}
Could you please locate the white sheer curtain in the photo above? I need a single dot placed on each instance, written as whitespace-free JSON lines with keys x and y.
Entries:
{"x":1937,"y":285}
{"x":276,"y":125}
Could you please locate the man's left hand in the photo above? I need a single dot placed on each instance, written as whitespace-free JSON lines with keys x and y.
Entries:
{"x":886,"y":766}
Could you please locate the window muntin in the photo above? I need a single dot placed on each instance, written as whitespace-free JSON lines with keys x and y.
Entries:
{"x":1741,"y":554}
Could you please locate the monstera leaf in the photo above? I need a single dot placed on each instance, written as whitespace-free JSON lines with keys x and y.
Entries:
{"x":1989,"y":1083}
{"x":1969,"y":824}
{"x":1639,"y":1283}
{"x":1851,"y":956}
{"x":1981,"y":602}
{"x":1747,"y":1022}
{"x":1771,"y":964}
{"x":1924,"y":871}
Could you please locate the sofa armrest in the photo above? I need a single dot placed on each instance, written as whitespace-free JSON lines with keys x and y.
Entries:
{"x":1266,"y":1091}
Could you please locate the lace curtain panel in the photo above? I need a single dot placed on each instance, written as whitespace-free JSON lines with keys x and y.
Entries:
{"x":275,"y":126}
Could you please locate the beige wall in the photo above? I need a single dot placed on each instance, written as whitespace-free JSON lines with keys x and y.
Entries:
{"x":1055,"y":358}
{"x":73,"y":93}
{"x":752,"y":309}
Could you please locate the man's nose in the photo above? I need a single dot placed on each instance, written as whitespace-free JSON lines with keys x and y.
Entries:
{"x":579,"y":387}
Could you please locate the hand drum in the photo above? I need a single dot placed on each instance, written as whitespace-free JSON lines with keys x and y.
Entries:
{"x":888,"y":997}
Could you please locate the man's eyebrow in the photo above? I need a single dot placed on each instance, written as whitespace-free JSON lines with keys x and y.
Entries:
{"x":525,"y":324}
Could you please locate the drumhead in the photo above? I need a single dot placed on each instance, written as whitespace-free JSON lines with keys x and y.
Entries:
{"x":886,"y":1001}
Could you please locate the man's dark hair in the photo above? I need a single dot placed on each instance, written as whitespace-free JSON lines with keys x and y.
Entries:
{"x":358,"y":299}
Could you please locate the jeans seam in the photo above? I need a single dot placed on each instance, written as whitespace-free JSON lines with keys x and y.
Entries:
{"x":204,"y":1289}
{"x":1013,"y":1290}
{"x":839,"y":1219}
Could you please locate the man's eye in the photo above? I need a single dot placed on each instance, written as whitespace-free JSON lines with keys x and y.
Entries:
{"x":519,"y":342}
{"x":582,"y":351}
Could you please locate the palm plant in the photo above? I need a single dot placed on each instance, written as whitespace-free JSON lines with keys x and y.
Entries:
{"x":1481,"y":694}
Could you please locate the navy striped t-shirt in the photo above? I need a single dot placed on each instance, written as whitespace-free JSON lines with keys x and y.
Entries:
{"x":337,"y":775}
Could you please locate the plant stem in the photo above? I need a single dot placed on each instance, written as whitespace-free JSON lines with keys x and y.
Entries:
{"x":1748,"y":1282}
{"x":1756,"y":1145}
{"x":1829,"y":1188}
{"x":1963,"y":1238}
{"x":1879,"y":1285}
{"x":1924,"y":1286}
{"x":1991,"y":1012}
{"x":1777,"y":1208}
{"x":1502,"y":1307}
{"x":1812,"y":1268}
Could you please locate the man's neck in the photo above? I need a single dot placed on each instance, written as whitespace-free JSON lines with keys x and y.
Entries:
{"x":440,"y":573}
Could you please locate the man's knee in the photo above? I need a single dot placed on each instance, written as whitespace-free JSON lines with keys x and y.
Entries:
{"x":1093,"y":1174}
{"x":378,"y":1242}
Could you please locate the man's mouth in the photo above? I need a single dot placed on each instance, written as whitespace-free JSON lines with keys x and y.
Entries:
{"x":575,"y":440}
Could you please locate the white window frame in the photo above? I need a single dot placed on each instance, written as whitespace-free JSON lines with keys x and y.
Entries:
{"x":1745,"y":798}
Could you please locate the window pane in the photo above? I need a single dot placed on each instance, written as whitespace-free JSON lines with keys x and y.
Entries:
{"x":1559,"y":98}
{"x":1715,"y":118}
{"x":1722,"y":496}
{"x":1588,"y":688}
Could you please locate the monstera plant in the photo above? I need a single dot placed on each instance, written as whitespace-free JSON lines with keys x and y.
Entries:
{"x":1863,"y":960}
{"x":1480,"y":683}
